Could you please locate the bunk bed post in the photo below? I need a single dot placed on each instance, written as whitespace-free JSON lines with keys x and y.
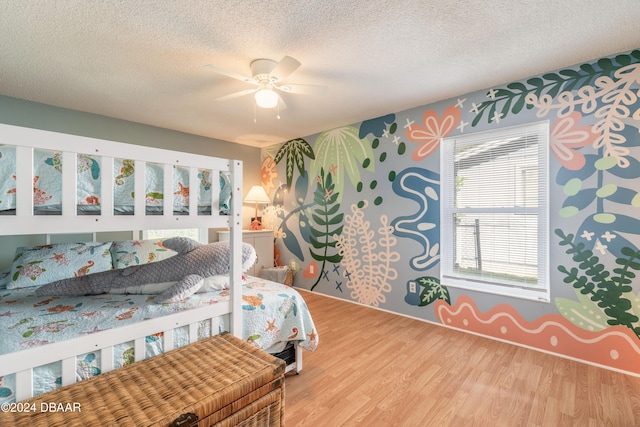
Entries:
{"x":24,"y":182}
{"x":235,"y":238}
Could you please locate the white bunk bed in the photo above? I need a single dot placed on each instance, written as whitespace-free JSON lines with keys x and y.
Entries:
{"x":25,"y":219}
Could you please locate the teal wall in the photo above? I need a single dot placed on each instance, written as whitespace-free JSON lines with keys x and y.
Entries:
{"x":353,"y":172}
{"x":19,"y":112}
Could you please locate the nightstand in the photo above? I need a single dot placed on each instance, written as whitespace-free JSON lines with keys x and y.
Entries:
{"x":262,"y":241}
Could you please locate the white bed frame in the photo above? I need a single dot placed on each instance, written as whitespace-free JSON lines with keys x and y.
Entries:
{"x":25,"y":222}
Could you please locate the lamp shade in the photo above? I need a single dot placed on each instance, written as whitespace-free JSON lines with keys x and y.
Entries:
{"x":257,"y":195}
{"x":266,"y":98}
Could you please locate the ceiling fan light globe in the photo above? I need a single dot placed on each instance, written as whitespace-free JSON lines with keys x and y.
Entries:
{"x":266,"y":98}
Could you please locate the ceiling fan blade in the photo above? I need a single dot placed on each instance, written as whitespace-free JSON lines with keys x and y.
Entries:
{"x":281,"y":104}
{"x":304,"y":89}
{"x":230,"y":73}
{"x":286,"y":66}
{"x":236,"y":94}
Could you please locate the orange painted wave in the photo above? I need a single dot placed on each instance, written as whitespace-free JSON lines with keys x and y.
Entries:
{"x":616,"y":347}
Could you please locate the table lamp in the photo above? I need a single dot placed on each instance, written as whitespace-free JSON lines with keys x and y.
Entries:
{"x":256,"y":195}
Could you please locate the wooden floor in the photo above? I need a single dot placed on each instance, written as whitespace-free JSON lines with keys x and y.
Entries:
{"x":374,"y":368}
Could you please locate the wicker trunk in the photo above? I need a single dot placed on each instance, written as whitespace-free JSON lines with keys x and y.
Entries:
{"x":219,"y":381}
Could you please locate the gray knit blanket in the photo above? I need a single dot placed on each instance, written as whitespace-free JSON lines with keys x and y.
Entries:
{"x":194,"y":262}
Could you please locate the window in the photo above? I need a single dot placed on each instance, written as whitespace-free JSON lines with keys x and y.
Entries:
{"x":494,"y":211}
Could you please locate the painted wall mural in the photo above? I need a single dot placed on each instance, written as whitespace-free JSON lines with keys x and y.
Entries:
{"x":356,"y":212}
{"x":367,"y":257}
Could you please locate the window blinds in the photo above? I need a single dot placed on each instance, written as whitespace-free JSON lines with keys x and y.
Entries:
{"x":494,"y":218}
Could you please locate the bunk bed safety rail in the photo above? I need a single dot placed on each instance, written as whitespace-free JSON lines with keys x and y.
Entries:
{"x":27,"y":141}
{"x":23,"y":362}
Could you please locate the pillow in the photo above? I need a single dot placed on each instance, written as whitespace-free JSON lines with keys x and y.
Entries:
{"x":39,"y":265}
{"x":137,"y":252}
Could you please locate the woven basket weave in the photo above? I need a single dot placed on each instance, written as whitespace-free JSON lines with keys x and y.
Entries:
{"x":222,"y":380}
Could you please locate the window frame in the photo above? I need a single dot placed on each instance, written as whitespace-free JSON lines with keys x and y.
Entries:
{"x":448,"y":275}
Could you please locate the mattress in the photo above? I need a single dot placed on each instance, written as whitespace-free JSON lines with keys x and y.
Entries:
{"x":220,"y":381}
{"x":272,"y":315}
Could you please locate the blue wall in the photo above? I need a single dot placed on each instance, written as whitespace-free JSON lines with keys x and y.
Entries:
{"x":352,"y":174}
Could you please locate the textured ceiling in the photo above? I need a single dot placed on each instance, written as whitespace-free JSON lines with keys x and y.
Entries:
{"x":143,"y":60}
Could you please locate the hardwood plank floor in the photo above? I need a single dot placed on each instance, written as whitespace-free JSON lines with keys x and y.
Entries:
{"x":374,"y":368}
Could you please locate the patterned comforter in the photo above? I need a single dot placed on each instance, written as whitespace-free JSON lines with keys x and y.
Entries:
{"x":273,"y":314}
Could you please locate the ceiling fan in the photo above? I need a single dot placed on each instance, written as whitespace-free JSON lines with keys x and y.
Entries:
{"x":268,"y":75}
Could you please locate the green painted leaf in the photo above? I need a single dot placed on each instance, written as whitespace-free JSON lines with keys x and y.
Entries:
{"x":635,"y":309}
{"x":517,"y":86}
{"x":623,"y":60}
{"x":342,"y":151}
{"x":295,"y":151}
{"x":333,"y":209}
{"x":517,"y":107}
{"x":432,"y":291}
{"x":336,"y":220}
{"x":555,"y":77}
{"x":334,"y":259}
{"x":325,"y":216}
{"x":535,"y":81}
{"x":605,"y":64}
{"x":317,"y":257}
{"x":588,"y":68}
{"x":583,"y":313}
{"x":319,"y":220}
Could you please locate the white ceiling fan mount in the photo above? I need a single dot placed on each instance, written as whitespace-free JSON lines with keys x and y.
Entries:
{"x":268,"y":75}
{"x":261,"y":70}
